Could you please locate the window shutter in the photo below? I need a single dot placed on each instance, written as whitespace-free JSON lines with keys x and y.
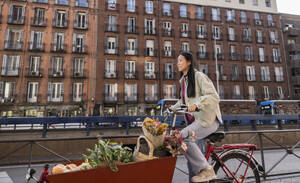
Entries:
{"x":17,"y":65}
{"x":61,"y":91}
{"x":63,"y":41}
{"x":153,"y":22}
{"x":1,"y":89}
{"x":74,"y":91}
{"x":66,"y":19}
{"x":126,"y":91}
{"x":55,"y":42}
{"x":117,"y":45}
{"x":11,"y":10}
{"x":80,"y":90}
{"x":49,"y":94}
{"x":76,"y":19}
{"x":4,"y":65}
{"x":86,"y":21}
{"x":36,"y":89}
{"x":83,"y":43}
{"x":32,"y":39}
{"x":74,"y":42}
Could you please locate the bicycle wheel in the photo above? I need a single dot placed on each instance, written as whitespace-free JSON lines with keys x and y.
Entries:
{"x":237,"y":164}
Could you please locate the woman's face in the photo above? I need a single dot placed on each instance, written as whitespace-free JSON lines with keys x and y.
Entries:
{"x":183,"y":64}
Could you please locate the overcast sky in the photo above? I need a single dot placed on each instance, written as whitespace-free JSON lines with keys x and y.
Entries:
{"x":289,"y":6}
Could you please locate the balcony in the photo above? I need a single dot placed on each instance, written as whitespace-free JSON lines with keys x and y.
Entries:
{"x":81,"y":74}
{"x":185,"y":34}
{"x":150,"y":52}
{"x":151,"y":75}
{"x":248,"y":57}
{"x":30,"y":73}
{"x":201,"y":35}
{"x":236,"y":78}
{"x":295,"y":79}
{"x":168,"y":54}
{"x":217,"y":36}
{"x":260,"y":40}
{"x":151,"y":99}
{"x":220,"y":56}
{"x":258,"y":22}
{"x":271,"y":24}
{"x":33,"y":99}
{"x":110,"y":74}
{"x":38,"y":47}
{"x":131,"y":29}
{"x":223,"y":77}
{"x":244,"y":20}
{"x":9,"y":99}
{"x":294,"y":63}
{"x":13,"y":45}
{"x":110,"y":51}
{"x":132,"y":99}
{"x":60,"y":24}
{"x":38,"y":22}
{"x":274,"y":41}
{"x":293,"y":47}
{"x":250,"y":77}
{"x":77,"y":98}
{"x":263,"y":58}
{"x":184,"y":14}
{"x":230,"y":19}
{"x":167,"y":13}
{"x":60,"y":48}
{"x":292,"y":32}
{"x":19,"y":20}
{"x":81,"y":49}
{"x":202,"y":55}
{"x":279,"y":78}
{"x":265,"y":78}
{"x":133,"y":52}
{"x":112,"y":28}
{"x":150,"y":13}
{"x":169,"y":76}
{"x":5,"y":72}
{"x":232,"y":37}
{"x":149,"y":31}
{"x":53,"y":73}
{"x":168,"y":32}
{"x":80,"y":25}
{"x":247,"y":39}
{"x":55,"y":98}
{"x":110,"y":98}
{"x":112,"y":7}
{"x":216,"y":18}
{"x":129,"y":9}
{"x":200,"y":16}
{"x":234,"y":56}
{"x":237,"y":96}
{"x":131,"y":75}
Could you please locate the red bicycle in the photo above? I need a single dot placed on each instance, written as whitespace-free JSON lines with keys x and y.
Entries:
{"x":233,"y":163}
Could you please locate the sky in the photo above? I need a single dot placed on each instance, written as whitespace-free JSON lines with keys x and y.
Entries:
{"x":289,"y":6}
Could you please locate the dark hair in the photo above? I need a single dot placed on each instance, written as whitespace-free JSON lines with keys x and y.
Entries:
{"x":191,"y":73}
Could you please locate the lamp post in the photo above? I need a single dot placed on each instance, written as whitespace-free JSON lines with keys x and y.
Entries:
{"x":216,"y":59}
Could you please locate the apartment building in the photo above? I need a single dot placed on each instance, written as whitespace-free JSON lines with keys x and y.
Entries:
{"x":139,"y":41}
{"x":45,"y":57}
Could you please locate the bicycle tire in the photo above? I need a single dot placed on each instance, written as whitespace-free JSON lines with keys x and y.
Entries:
{"x":234,"y":156}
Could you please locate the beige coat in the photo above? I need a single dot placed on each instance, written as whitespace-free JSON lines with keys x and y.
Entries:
{"x":206,"y":98}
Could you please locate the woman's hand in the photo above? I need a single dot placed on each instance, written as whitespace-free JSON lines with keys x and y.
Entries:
{"x":192,"y":108}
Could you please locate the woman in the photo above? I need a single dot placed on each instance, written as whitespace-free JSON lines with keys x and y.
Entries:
{"x":197,"y":92}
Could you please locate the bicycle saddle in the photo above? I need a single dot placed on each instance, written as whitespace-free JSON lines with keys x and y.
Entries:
{"x":216,"y":137}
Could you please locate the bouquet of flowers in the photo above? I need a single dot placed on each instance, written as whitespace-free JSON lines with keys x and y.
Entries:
{"x":155,"y":131}
{"x":174,"y":143}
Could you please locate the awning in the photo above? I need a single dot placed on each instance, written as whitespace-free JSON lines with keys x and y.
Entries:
{"x":270,"y":102}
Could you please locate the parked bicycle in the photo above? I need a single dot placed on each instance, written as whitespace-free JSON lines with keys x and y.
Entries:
{"x":232,"y":163}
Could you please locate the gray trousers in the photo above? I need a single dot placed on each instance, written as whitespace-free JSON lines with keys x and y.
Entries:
{"x":195,"y":159}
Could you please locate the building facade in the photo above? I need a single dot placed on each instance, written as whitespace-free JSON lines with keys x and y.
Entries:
{"x":291,"y":31}
{"x":45,"y":57}
{"x":139,"y":42}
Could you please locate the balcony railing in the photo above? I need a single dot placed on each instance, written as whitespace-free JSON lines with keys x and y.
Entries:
{"x":5,"y":72}
{"x":110,"y":97}
{"x":151,"y":99}
{"x":81,"y":74}
{"x":108,"y":51}
{"x":60,"y":23}
{"x":52,"y":73}
{"x":13,"y":45}
{"x":202,"y":55}
{"x":33,"y":99}
{"x":112,"y":6}
{"x":247,"y":39}
{"x":201,"y":35}
{"x":58,"y":98}
{"x":111,"y":28}
{"x":77,"y":98}
{"x":250,"y":77}
{"x":261,"y":40}
{"x":170,"y":54}
{"x":183,"y":14}
{"x":134,"y":52}
{"x":230,"y":19}
{"x":218,"y":36}
{"x":81,"y":26}
{"x":20,"y":20}
{"x":279,"y":78}
{"x":168,"y":32}
{"x":58,"y":47}
{"x":8,"y":100}
{"x":79,"y":49}
{"x":232,"y":37}
{"x":150,"y":13}
{"x":150,"y":31}
{"x":200,"y":16}
{"x":184,"y":33}
{"x":215,"y":18}
{"x":34,"y":73}
{"x":258,"y":22}
{"x":39,"y":22}
{"x":36,"y":46}
{"x":263,"y":58}
{"x":129,"y":9}
{"x":133,"y":98}
{"x":274,"y":41}
{"x":220,"y":56}
{"x":131,"y":29}
{"x":244,"y":20}
{"x":151,"y":75}
{"x":167,"y":13}
{"x":292,"y":32}
{"x":266,"y":78}
{"x":271,"y":24}
{"x":131,"y":75}
{"x":148,"y":52}
{"x":169,"y":75}
{"x":236,"y":77}
{"x":248,"y":57}
{"x":234,"y":56}
{"x":110,"y":74}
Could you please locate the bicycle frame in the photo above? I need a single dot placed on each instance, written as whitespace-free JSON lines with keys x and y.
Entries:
{"x":227,"y":148}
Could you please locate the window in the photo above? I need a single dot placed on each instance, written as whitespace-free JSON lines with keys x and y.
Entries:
{"x":131,"y":5}
{"x":79,"y":43}
{"x":81,"y":20}
{"x":280,"y":92}
{"x":251,"y":92}
{"x":221,"y":72}
{"x":62,"y":2}
{"x":167,"y":29}
{"x":257,"y":19}
{"x":61,"y":18}
{"x":233,"y":53}
{"x":255,"y":2}
{"x":236,"y":91}
{"x":259,"y":36}
{"x":150,"y":26}
{"x":216,"y":32}
{"x":112,"y":24}
{"x":55,"y":92}
{"x":111,"y":45}
{"x":111,"y":92}
{"x":110,"y":68}
{"x":266,"y":95}
{"x":274,"y":37}
{"x":167,"y":9}
{"x":250,"y":72}
{"x":32,"y":92}
{"x":34,"y":65}
{"x":57,"y":66}
{"x":265,"y":73}
{"x":169,"y":73}
{"x":248,"y":53}
{"x":168,"y":48}
{"x":200,"y":12}
{"x":130,"y":69}
{"x":203,"y":68}
{"x":36,"y":42}
{"x":77,"y":92}
{"x":39,"y":17}
{"x":235,"y":73}
{"x":242,"y":1}
{"x":59,"y":39}
{"x":150,"y":70}
{"x":7,"y":91}
{"x":112,"y":4}
{"x":16,"y":14}
{"x":261,"y":53}
{"x":276,"y":54}
{"x":270,"y":20}
{"x":185,"y":46}
{"x":13,"y":39}
{"x":149,"y":48}
{"x":221,"y":92}
{"x":169,"y":91}
{"x":130,"y":46}
{"x":10,"y":65}
{"x":279,"y":74}
{"x":184,"y":30}
{"x":247,"y":35}
{"x":268,"y":3}
{"x":219,"y":51}
{"x":78,"y":66}
{"x":202,"y":54}
{"x":130,"y":92}
{"x":216,"y":15}
{"x":201,"y":31}
{"x":183,"y":11}
{"x":230,"y":15}
{"x":149,"y":7}
{"x":82,"y":3}
{"x":231,"y":34}
{"x":243,"y":17}
{"x":131,"y":25}
{"x":150,"y":92}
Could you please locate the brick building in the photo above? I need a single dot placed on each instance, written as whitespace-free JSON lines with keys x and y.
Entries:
{"x":139,"y":41}
{"x":291,"y":31}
